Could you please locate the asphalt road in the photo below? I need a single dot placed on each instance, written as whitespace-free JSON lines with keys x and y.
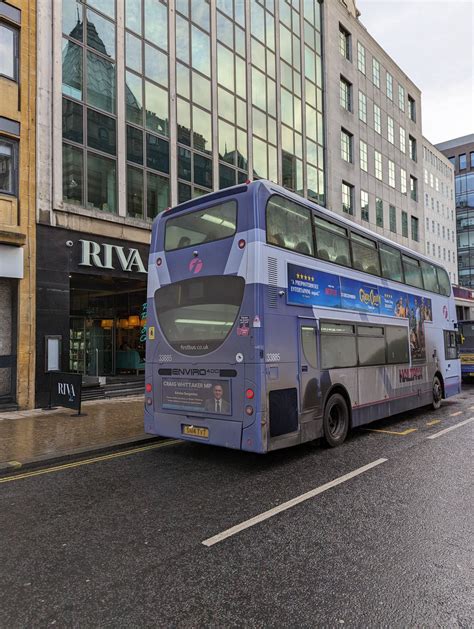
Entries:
{"x":118,"y":542}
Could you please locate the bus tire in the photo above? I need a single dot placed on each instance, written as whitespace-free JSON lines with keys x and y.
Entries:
{"x":437,"y":393}
{"x":335,"y":420}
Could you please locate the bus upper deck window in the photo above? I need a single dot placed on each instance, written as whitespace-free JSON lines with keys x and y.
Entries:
{"x":430,"y":277}
{"x":391,"y":263}
{"x":206,"y":225}
{"x":332,"y":242}
{"x":365,"y":256}
{"x":412,"y":270}
{"x":289,"y":225}
{"x":444,"y":283}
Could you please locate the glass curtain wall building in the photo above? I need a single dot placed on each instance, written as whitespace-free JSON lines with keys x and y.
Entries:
{"x":460,"y":153}
{"x":166,"y":101}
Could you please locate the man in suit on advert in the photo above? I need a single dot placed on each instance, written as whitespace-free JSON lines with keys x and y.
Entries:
{"x":217,"y":404}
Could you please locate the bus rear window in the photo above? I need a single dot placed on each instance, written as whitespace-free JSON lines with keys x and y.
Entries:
{"x":213,"y":223}
{"x":197,"y":315}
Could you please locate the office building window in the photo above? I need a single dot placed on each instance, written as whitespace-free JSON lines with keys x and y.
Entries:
{"x":411,"y":108}
{"x":401,"y":98}
{"x":377,"y":119}
{"x":472,"y":158}
{"x":347,"y":198}
{"x":452,"y":160}
{"x":363,"y":155}
{"x":428,"y":247}
{"x":393,"y":219}
{"x":8,"y":166}
{"x":364,"y":205}
{"x":412,"y":147}
{"x":390,"y":130}
{"x":378,"y":165}
{"x":462,"y":161}
{"x":376,"y":72}
{"x":403,"y":181}
{"x":402,"y":140}
{"x":404,"y":224}
{"x":426,"y":176}
{"x":414,"y":229}
{"x":427,"y":224}
{"x":9,"y":51}
{"x":391,"y":173}
{"x":389,"y":85}
{"x":345,"y":94}
{"x":362,"y":106}
{"x":346,"y":146}
{"x":344,"y":42}
{"x":413,"y":188}
{"x":378,"y":212}
{"x":360,"y":57}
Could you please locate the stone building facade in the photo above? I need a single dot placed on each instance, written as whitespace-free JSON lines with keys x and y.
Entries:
{"x":17,"y":202}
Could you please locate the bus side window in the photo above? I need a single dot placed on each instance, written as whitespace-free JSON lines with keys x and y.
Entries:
{"x":412,"y":270}
{"x":397,"y":344}
{"x":289,"y":225}
{"x":391,"y":263}
{"x":430,"y":277}
{"x":332,"y":242}
{"x":450,"y":345}
{"x":444,"y":283}
{"x":365,"y":256}
{"x":338,"y":345}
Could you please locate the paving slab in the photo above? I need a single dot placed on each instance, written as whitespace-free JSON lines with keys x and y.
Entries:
{"x":31,"y":437}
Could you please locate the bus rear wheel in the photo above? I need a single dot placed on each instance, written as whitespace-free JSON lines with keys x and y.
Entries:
{"x":336,"y":420}
{"x":437,"y":392}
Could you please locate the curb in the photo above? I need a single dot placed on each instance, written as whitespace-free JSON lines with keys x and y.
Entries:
{"x":8,"y":468}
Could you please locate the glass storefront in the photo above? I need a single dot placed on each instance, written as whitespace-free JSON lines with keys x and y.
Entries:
{"x":7,"y":338}
{"x":107,"y":325}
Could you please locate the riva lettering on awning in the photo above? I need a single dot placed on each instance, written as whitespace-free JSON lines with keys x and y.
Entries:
{"x":107,"y":256}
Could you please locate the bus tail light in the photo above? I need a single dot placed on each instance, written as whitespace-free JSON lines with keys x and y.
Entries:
{"x":159,"y":261}
{"x":249,"y":394}
{"x":242,"y":243}
{"x":149,"y":401}
{"x":249,"y":410}
{"x":148,"y":387}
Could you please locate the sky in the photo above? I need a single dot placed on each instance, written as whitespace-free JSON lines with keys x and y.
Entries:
{"x":432,"y":41}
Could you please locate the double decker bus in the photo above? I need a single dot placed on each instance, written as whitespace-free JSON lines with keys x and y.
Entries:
{"x":272,"y":322}
{"x":466,"y":330}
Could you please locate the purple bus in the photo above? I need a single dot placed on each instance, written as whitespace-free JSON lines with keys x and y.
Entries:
{"x":272,"y":321}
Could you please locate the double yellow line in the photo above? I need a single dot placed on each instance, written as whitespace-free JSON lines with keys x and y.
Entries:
{"x":97,"y":459}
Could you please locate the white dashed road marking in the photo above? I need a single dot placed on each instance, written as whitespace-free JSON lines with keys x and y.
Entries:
{"x":287,"y":505}
{"x":443,"y":432}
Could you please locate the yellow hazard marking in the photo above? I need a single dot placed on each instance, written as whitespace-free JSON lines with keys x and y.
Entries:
{"x":455,"y":414}
{"x":393,"y":432}
{"x":433,"y":422}
{"x":97,"y":459}
{"x":14,"y":464}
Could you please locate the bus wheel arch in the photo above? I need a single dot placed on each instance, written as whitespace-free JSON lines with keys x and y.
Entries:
{"x":337,"y":417}
{"x":438,"y":390}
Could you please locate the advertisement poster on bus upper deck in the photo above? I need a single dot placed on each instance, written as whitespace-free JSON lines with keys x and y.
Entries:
{"x":307,"y":287}
{"x":357,"y":295}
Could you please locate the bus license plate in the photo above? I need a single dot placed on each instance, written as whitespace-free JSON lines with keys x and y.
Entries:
{"x":195,"y":431}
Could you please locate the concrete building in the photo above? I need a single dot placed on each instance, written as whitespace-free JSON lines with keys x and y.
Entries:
{"x":440,"y":209}
{"x":373,"y":123}
{"x":17,"y":202}
{"x":460,"y":152}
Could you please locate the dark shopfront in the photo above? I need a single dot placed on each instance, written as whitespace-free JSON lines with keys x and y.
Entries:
{"x":91,"y":294}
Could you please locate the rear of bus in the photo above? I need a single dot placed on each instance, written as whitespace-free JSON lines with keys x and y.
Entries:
{"x":466,"y":329}
{"x":204,"y":359}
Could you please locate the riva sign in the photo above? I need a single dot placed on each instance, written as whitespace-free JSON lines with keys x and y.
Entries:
{"x":106,"y":256}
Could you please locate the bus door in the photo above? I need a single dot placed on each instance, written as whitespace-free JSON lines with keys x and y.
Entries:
{"x":308,"y":370}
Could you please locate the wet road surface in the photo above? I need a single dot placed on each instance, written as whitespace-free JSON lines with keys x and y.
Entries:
{"x":118,"y":542}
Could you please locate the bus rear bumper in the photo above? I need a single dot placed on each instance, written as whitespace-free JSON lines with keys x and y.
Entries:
{"x":452,"y":386}
{"x":220,"y":432}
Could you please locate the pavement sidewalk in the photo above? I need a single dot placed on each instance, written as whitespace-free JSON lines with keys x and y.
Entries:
{"x":29,"y":438}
